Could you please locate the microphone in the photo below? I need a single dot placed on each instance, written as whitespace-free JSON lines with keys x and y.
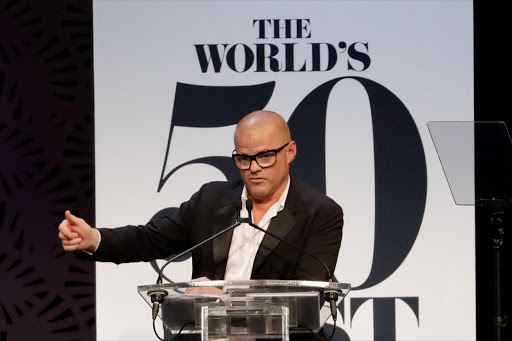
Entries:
{"x":158,"y":296}
{"x":238,"y":206}
{"x":330,"y":296}
{"x":248,"y":220}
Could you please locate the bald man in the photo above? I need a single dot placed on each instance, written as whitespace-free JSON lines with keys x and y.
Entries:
{"x":282,"y":205}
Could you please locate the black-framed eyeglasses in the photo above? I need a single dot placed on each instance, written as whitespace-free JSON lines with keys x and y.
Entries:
{"x":264,"y":159}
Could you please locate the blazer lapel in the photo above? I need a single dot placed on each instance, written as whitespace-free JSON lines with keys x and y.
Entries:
{"x":280,"y":225}
{"x":224,"y":217}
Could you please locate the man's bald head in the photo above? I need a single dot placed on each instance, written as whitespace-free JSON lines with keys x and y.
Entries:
{"x":264,"y":122}
{"x":263,"y":133}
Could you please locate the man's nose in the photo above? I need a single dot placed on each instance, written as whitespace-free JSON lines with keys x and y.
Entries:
{"x":254,"y":167}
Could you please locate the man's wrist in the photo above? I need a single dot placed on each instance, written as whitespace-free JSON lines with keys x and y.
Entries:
{"x":96,"y":242}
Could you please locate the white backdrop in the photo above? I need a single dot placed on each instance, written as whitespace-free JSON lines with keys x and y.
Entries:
{"x":419,"y":50}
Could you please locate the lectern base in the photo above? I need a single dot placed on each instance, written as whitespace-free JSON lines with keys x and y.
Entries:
{"x":261,"y":322}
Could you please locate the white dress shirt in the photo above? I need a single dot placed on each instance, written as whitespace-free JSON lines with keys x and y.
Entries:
{"x":246,"y":239}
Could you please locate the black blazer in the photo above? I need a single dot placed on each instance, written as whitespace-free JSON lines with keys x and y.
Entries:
{"x":309,"y":220}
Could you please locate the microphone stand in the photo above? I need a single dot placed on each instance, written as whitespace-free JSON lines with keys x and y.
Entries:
{"x":158,"y":295}
{"x":330,"y":296}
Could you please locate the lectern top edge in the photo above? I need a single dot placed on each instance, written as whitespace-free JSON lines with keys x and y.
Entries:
{"x":299,"y":284}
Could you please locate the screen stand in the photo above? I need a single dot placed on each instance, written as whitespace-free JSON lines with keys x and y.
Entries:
{"x":477,"y":161}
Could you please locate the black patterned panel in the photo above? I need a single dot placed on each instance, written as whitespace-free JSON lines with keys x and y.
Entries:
{"x":46,"y":167}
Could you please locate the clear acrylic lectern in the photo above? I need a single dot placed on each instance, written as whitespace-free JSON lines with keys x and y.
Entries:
{"x":245,"y":309}
{"x":477,"y":161}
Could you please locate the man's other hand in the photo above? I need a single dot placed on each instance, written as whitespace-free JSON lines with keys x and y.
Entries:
{"x":203,"y":290}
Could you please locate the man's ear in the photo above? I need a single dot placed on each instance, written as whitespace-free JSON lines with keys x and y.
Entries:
{"x":292,"y":151}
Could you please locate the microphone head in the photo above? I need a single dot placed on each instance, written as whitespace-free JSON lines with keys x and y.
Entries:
{"x":248,"y":205}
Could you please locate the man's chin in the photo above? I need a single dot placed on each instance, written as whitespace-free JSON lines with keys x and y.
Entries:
{"x":257,"y":192}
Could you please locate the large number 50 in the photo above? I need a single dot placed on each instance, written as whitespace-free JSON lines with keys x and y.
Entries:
{"x":400,"y":169}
